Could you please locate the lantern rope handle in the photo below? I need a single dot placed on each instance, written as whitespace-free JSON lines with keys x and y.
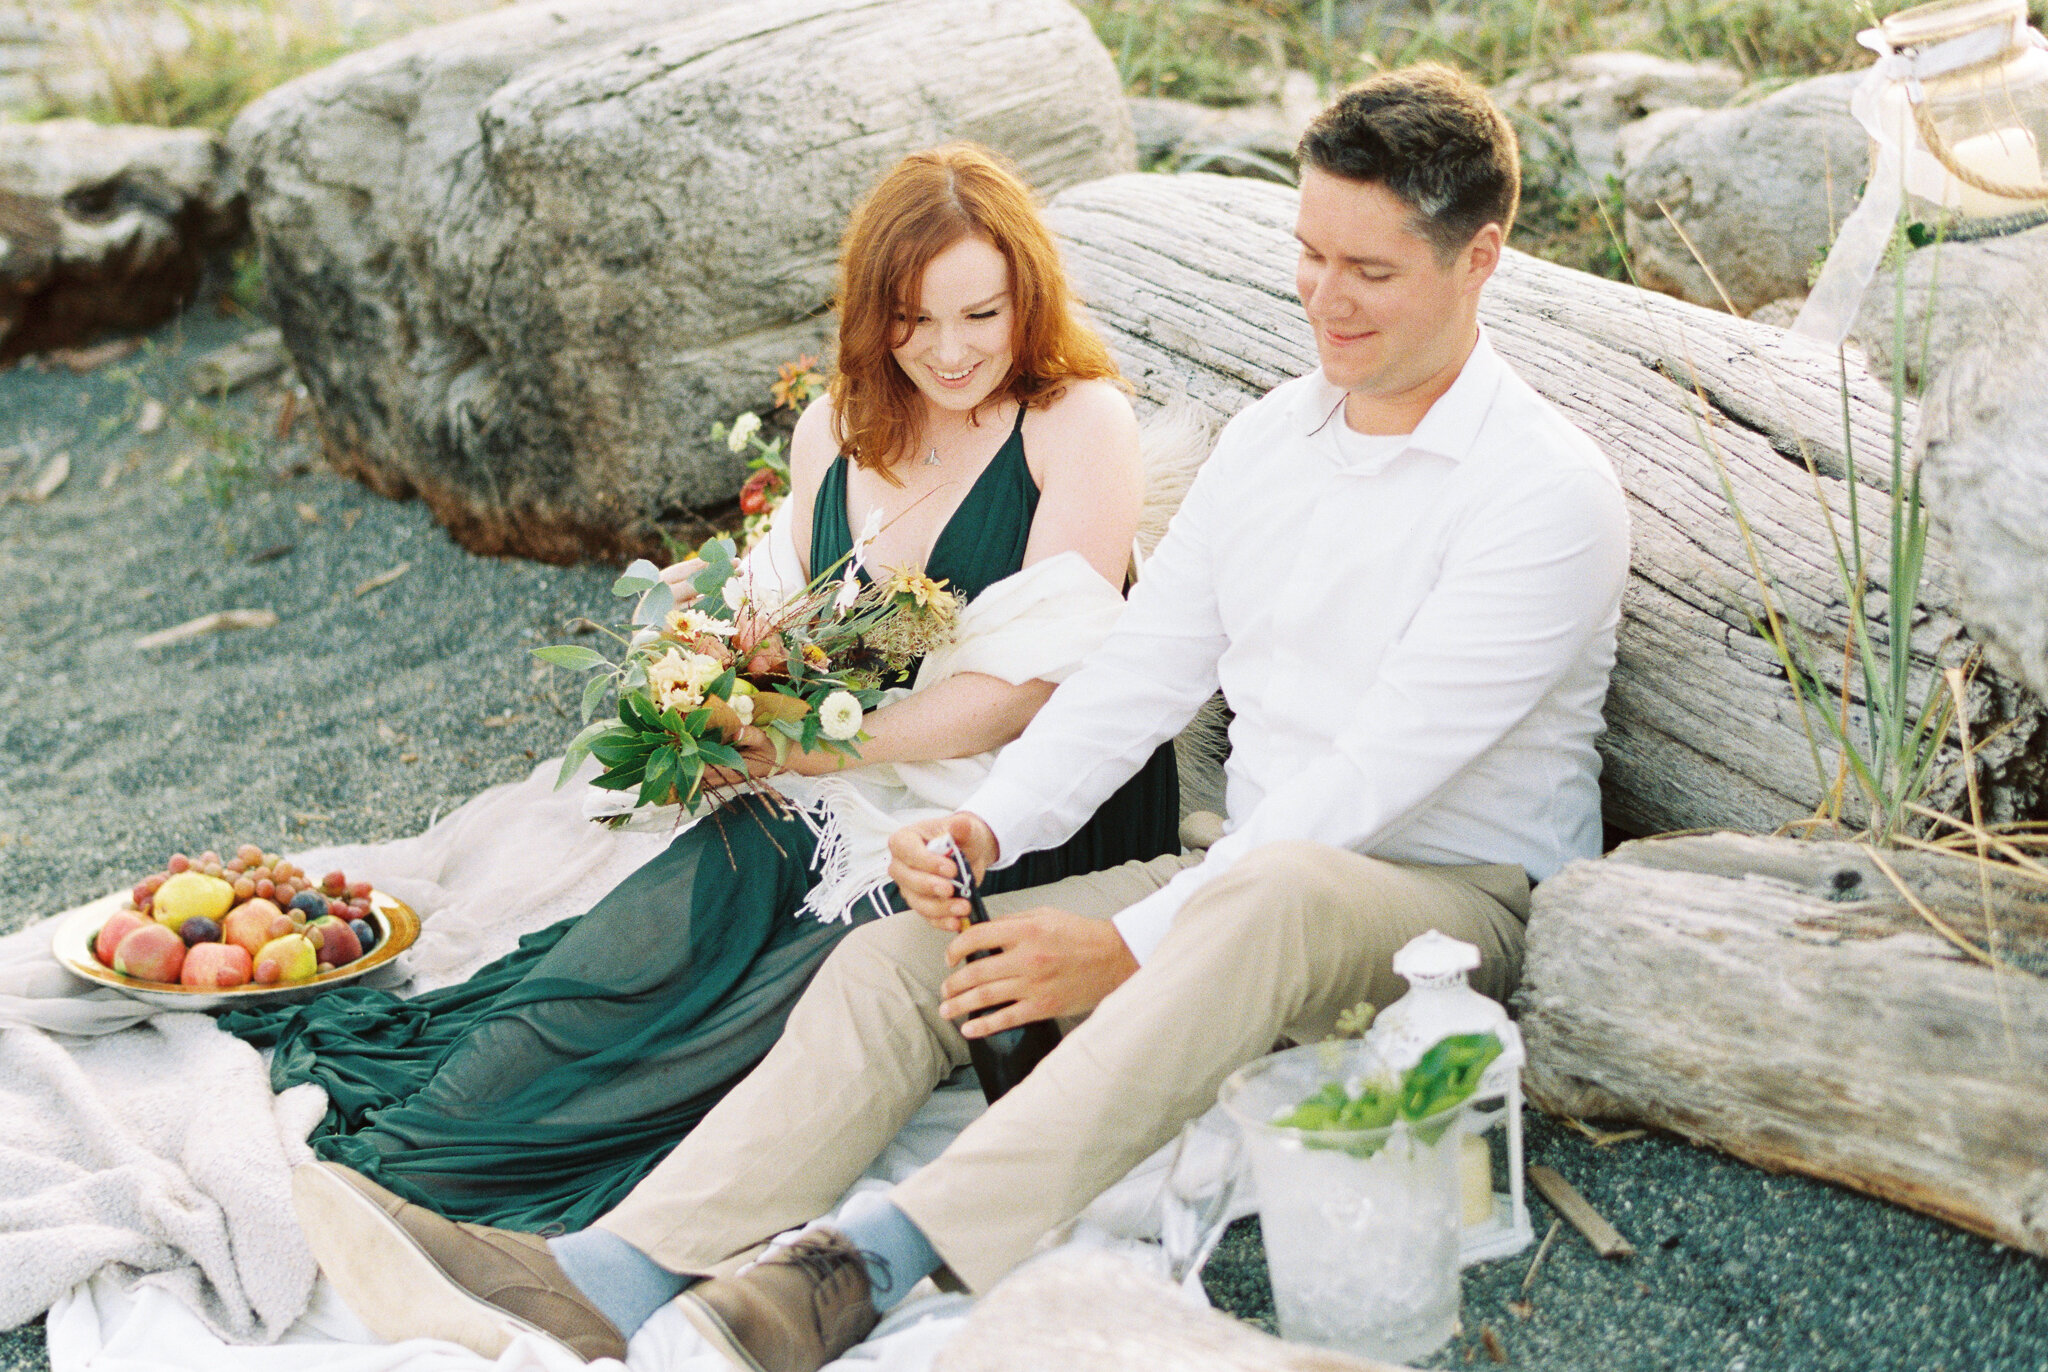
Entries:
{"x":1923,"y":117}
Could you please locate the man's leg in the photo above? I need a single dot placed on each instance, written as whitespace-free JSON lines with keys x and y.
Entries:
{"x":1279,"y":946}
{"x":862,"y":1052}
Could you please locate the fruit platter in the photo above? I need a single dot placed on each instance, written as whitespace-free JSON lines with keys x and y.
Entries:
{"x":209,"y":932}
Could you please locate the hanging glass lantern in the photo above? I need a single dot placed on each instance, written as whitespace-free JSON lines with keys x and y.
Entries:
{"x":1439,"y":1005}
{"x":1957,"y":112}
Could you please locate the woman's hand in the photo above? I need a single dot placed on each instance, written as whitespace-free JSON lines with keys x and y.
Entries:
{"x":759,"y":753}
{"x":926,"y":878}
{"x":678,"y":575}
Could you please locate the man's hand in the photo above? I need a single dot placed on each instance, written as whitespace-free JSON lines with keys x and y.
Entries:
{"x":926,"y":880}
{"x":1052,"y":963}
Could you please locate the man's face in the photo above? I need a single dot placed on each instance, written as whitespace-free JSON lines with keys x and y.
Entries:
{"x":1388,"y":316}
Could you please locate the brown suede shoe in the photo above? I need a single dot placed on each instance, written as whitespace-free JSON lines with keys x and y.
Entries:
{"x":793,"y":1311}
{"x":408,"y":1273}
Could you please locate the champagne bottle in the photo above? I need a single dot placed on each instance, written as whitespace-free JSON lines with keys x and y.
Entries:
{"x":1004,"y":1058}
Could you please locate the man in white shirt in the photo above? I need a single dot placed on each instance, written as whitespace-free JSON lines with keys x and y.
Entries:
{"x":1404,"y":572}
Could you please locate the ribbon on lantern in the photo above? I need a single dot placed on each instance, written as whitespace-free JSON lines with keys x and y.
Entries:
{"x":1830,"y":309}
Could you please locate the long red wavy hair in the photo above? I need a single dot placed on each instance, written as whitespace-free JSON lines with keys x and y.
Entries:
{"x":929,"y":202}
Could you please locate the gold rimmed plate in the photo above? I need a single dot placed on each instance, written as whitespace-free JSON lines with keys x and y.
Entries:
{"x":396,"y":925}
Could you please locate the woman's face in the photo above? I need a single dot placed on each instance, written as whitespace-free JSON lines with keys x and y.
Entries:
{"x":959,"y":345}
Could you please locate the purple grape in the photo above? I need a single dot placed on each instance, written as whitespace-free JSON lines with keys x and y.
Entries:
{"x":366,"y":933}
{"x":310,"y":903}
{"x":199,"y":929}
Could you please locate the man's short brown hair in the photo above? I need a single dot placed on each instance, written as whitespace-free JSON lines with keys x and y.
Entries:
{"x":1432,"y":138}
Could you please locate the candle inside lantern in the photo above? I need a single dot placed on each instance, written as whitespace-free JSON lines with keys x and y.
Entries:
{"x":1475,"y":1181}
{"x":2007,"y":156}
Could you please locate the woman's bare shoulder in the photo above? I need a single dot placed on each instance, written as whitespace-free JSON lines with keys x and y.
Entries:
{"x":1091,"y":421}
{"x":812,"y":447}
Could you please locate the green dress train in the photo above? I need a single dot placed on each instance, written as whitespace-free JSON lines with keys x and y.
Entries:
{"x":540,"y":1090}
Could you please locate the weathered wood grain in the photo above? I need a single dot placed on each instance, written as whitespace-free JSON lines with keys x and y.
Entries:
{"x":1782,"y":1002}
{"x":1190,"y":278}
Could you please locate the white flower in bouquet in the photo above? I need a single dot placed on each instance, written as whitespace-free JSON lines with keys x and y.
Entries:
{"x":702,"y":669}
{"x":743,"y":428}
{"x":839,"y":716}
{"x":670,"y":678}
{"x":743,"y":706}
{"x":688,"y":623}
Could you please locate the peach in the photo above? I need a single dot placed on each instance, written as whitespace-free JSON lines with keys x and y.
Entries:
{"x":216,"y":967}
{"x":118,"y":926}
{"x":252,"y":924}
{"x":338,"y":943}
{"x":152,"y":953}
{"x":288,"y":959}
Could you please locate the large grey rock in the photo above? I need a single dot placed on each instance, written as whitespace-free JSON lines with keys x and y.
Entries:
{"x":1758,"y":190}
{"x":1986,"y":470}
{"x":1191,"y":281}
{"x":1256,"y":139}
{"x":104,"y":227}
{"x":1992,"y":292}
{"x":524,"y":261}
{"x":1585,"y":106}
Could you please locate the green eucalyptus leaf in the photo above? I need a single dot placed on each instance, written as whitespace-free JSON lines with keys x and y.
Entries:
{"x":594,"y":692}
{"x":570,"y":656}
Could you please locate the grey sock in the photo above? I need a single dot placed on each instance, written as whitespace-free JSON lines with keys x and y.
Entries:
{"x":623,"y":1282}
{"x":898,"y":1254}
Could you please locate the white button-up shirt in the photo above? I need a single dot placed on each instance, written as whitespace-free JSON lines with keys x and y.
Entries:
{"x":1415,"y":645}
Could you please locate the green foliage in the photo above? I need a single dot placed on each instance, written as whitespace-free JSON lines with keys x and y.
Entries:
{"x":1861,"y":694}
{"x":1443,"y":1077}
{"x":1214,"y":52}
{"x":235,"y":50}
{"x":231,"y":457}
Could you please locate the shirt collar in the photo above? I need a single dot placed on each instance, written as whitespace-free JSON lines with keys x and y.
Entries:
{"x":1451,"y":426}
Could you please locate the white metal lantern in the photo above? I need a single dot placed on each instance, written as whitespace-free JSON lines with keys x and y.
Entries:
{"x":1957,"y":112}
{"x":1438,"y":1005}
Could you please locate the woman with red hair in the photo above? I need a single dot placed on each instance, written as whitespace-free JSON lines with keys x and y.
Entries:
{"x":979,"y":428}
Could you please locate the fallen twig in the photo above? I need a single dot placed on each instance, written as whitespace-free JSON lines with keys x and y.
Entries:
{"x":383,"y":579}
{"x":214,"y":623}
{"x":1579,"y":1213}
{"x":1550,"y":1237}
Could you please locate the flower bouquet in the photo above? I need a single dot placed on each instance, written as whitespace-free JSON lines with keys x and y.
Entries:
{"x":803,"y":668}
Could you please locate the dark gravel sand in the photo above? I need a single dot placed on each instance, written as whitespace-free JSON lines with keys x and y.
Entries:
{"x":358,"y":717}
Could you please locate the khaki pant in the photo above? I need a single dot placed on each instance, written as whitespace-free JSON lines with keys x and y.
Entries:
{"x":1276,"y":948}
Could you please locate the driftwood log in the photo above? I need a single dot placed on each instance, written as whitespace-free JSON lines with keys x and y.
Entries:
{"x":1784,"y":1002}
{"x":1190,"y":279}
{"x":1098,"y":1312}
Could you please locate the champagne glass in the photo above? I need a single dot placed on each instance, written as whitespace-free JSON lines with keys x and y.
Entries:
{"x":1202,"y":1179}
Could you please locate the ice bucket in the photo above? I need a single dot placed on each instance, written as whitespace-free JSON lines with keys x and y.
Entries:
{"x":1361,"y":1227}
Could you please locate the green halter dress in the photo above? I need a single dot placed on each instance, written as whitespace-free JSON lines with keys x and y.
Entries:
{"x":540,"y":1090}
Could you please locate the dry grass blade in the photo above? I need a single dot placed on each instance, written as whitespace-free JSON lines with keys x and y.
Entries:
{"x":1934,"y":921}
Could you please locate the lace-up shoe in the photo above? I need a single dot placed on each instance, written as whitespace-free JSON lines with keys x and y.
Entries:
{"x":408,"y":1273}
{"x":795,"y":1310}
